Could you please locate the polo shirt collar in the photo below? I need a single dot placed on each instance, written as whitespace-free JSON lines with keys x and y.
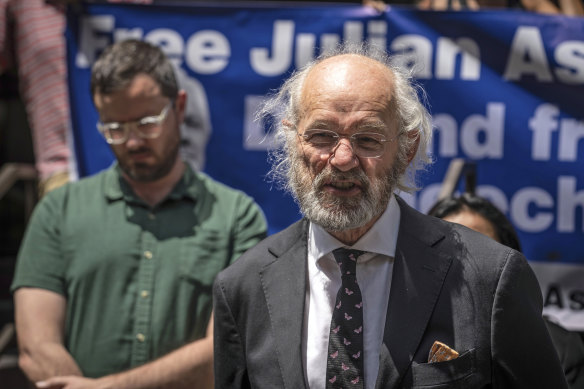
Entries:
{"x":117,"y":188}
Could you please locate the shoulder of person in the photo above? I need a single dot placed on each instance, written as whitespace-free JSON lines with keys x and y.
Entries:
{"x":81,"y":189}
{"x":218,"y":188}
{"x":462,"y":243}
{"x":445,"y":231}
{"x":269,"y":250}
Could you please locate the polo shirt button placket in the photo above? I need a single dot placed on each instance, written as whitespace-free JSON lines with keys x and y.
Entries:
{"x":140,"y":353}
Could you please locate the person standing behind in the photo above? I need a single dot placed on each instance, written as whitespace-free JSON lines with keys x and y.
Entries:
{"x":112,"y":287}
{"x":32,"y":40}
{"x":366,"y":292}
{"x":479,"y":214}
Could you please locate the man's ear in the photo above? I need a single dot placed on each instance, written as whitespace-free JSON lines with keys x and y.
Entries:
{"x":414,"y":137}
{"x":180,"y":104}
{"x":287,"y":123}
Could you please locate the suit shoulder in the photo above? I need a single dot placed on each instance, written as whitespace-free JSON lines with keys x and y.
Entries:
{"x":479,"y":254}
{"x":465,"y":244}
{"x":266,"y":251}
{"x":479,"y":244}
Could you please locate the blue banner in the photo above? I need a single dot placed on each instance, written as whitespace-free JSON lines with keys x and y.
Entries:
{"x":505,"y":90}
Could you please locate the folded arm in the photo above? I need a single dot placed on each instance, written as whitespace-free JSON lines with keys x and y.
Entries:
{"x":190,"y":366}
{"x":40,"y":323}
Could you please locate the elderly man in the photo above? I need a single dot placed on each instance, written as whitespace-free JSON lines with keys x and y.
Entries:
{"x":365,"y":292}
{"x":114,"y":277}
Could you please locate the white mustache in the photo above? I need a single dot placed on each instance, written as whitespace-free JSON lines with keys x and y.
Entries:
{"x":331,"y":174}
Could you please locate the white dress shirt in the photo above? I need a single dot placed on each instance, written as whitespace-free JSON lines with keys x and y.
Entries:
{"x":374,"y":270}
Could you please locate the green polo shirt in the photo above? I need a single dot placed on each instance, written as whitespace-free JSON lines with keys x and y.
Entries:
{"x":137,"y":279}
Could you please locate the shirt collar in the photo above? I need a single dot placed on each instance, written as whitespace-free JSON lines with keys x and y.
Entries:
{"x":380,"y":239}
{"x":117,"y":188}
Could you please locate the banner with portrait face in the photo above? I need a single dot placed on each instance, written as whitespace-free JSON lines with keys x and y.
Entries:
{"x":504,"y":89}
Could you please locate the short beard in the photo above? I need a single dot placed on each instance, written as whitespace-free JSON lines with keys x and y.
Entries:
{"x":338,"y":213}
{"x":146,"y":173}
{"x":150,"y":173}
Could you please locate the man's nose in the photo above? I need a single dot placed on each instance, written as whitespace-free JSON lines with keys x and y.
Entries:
{"x":134,"y":140}
{"x":343,"y":156}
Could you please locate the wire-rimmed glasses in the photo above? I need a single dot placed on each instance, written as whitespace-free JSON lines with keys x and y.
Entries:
{"x":364,"y":144}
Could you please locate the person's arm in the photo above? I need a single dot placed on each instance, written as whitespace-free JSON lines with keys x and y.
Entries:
{"x":40,"y":321}
{"x":378,"y":5}
{"x":230,"y":364}
{"x":446,"y":5}
{"x":540,"y":6}
{"x":522,"y":351}
{"x":572,"y":7}
{"x":190,"y":366}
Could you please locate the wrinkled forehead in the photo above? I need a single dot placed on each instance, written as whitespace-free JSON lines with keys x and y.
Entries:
{"x":347,"y":82}
{"x":349,"y":76}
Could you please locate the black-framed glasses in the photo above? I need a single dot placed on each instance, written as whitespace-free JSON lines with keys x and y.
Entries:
{"x":364,"y":144}
{"x":149,"y":127}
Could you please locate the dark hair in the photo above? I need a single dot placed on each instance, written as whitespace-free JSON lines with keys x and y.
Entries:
{"x":119,"y":63}
{"x":483,"y":207}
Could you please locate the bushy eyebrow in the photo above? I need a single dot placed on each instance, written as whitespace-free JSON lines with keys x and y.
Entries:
{"x":372,"y":127}
{"x":365,"y":126}
{"x":321,"y":125}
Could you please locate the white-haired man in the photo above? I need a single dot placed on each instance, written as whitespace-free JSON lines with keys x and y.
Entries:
{"x":365,"y":292}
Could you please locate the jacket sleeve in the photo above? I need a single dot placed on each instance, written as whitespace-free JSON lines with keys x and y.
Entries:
{"x":522,"y":352}
{"x":229,"y":356}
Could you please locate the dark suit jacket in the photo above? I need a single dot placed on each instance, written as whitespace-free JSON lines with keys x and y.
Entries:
{"x":449,"y":284}
{"x":570,"y":348}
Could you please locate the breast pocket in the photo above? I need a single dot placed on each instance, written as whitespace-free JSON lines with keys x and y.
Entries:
{"x":203,"y":256}
{"x":455,"y":373}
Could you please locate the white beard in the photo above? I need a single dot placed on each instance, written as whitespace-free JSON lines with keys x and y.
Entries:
{"x":335,"y":213}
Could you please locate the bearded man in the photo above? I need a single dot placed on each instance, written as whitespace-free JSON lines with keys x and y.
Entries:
{"x":112,"y":287}
{"x":364,"y":291}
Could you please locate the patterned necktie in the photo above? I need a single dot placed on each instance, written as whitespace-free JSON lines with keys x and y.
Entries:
{"x":344,"y":368}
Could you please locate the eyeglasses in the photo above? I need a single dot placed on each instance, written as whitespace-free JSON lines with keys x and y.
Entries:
{"x":149,"y":127}
{"x":364,"y":144}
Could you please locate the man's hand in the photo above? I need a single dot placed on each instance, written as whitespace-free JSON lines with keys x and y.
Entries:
{"x":71,"y":382}
{"x":379,"y":5}
{"x":453,"y":5}
{"x":53,"y":182}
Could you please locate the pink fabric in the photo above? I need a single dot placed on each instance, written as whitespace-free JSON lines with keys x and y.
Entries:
{"x":38,"y":45}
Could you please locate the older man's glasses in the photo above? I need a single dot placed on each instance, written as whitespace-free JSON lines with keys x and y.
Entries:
{"x":364,"y":144}
{"x":149,"y":127}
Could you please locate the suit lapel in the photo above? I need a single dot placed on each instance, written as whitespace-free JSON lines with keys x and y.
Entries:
{"x":418,"y":274}
{"x":284,"y":285}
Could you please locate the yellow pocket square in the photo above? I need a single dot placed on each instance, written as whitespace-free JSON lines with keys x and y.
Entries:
{"x":441,"y":352}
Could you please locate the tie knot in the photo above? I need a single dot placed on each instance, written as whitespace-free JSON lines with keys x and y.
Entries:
{"x":347,"y":260}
